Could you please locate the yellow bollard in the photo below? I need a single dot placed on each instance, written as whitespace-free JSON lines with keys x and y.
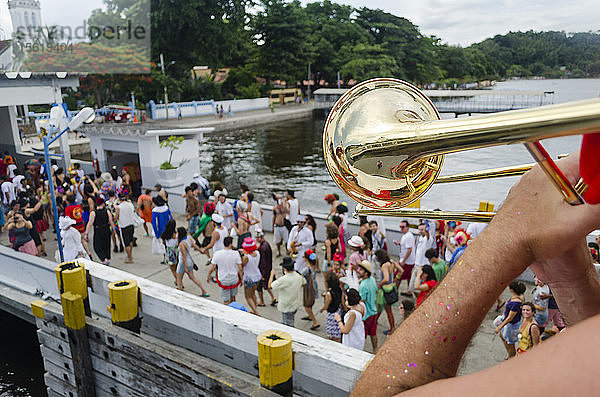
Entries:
{"x":124,"y":298}
{"x":71,"y":277}
{"x":73,"y":311}
{"x":275,"y":361}
{"x":486,"y":206}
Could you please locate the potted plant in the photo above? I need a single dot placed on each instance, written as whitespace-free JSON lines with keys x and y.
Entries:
{"x":167,"y":170}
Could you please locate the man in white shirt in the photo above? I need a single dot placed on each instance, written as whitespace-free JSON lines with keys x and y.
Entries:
{"x":292,"y":207}
{"x":18,"y":184}
{"x":407,"y":253}
{"x":224,"y":209}
{"x":12,"y":168}
{"x":8,"y":194}
{"x":125,"y":216}
{"x":475,"y":228}
{"x":229,"y":270}
{"x":301,"y":238}
{"x":425,"y":241}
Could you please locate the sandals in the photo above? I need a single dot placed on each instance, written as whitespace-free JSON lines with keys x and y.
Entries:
{"x":306,"y":318}
{"x":274,"y":303}
{"x":205,"y":295}
{"x":261,"y":305}
{"x":314,"y":327}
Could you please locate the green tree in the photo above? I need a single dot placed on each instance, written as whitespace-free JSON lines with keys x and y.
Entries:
{"x":369,"y":61}
{"x":281,"y":32}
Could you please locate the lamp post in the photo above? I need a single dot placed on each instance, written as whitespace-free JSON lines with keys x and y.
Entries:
{"x":162,"y":66}
{"x":85,"y":115}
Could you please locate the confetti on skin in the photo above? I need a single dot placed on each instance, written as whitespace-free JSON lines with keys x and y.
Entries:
{"x":388,"y":375}
{"x":518,"y":212}
{"x":389,"y":387}
{"x":405,"y":371}
{"x":426,"y":315}
{"x":448,"y":307}
{"x":426,"y":352}
{"x":453,"y":338}
{"x":394,"y":377}
{"x":441,"y":303}
{"x":472,"y":269}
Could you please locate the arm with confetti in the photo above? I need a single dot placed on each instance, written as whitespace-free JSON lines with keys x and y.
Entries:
{"x":532,"y":224}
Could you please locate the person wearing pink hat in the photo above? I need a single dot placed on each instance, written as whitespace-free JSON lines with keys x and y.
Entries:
{"x":252,"y":275}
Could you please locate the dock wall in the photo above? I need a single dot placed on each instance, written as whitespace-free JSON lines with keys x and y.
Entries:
{"x":182,"y":323}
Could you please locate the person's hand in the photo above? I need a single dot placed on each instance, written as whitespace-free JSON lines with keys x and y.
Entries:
{"x":537,"y":223}
{"x":208,"y":279}
{"x":337,"y":317}
{"x":396,"y":242}
{"x":497,"y":330}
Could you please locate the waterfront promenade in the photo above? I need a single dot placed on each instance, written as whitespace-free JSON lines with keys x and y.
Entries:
{"x":484,"y":351}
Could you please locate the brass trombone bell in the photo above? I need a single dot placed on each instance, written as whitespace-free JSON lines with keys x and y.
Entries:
{"x":384,"y":142}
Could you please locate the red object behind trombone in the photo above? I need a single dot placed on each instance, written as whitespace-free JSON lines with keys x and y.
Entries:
{"x":589,"y":167}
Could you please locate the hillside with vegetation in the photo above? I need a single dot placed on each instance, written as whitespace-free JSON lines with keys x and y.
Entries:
{"x":274,"y":41}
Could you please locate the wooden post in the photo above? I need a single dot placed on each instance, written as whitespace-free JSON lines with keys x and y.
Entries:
{"x":74,"y":314}
{"x":124,"y":302}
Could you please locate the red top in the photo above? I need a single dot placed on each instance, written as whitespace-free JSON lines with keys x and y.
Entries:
{"x":425,"y":294}
{"x":75,"y":212}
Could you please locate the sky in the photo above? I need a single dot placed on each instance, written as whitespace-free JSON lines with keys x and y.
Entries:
{"x":454,"y":21}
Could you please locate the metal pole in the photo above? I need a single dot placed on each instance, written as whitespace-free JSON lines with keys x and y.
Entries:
{"x":338,"y":80}
{"x":162,"y":66}
{"x":52,"y":194}
{"x":132,"y":106}
{"x":308,"y":83}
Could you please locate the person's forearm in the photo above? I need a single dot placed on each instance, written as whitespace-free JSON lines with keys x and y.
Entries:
{"x":577,"y":304}
{"x":438,"y":332}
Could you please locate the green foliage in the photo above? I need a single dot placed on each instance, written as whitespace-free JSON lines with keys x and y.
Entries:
{"x":171,"y":143}
{"x":277,"y":39}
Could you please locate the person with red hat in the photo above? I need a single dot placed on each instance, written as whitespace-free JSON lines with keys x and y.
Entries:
{"x":333,"y":201}
{"x":252,"y":275}
{"x":310,"y":289}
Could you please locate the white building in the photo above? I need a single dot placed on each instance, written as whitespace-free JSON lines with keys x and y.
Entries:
{"x":26,"y":15}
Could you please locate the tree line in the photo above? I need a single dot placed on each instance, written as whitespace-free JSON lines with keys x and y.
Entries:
{"x":275,"y":40}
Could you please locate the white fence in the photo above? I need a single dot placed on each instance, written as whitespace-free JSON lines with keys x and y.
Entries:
{"x":204,"y":108}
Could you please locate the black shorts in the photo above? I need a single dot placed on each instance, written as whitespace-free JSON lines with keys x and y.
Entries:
{"x":127,"y":233}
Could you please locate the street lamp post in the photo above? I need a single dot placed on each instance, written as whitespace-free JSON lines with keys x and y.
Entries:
{"x":162,"y":66}
{"x":85,"y":115}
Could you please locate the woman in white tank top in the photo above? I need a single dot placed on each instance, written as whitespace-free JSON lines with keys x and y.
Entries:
{"x":252,"y":275}
{"x":353,"y":328}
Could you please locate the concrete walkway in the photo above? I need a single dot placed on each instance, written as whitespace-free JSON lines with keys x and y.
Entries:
{"x":484,"y":351}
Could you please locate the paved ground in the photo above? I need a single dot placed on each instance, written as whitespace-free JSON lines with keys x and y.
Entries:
{"x":484,"y":351}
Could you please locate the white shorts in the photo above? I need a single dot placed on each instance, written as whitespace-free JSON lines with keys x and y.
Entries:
{"x":413,"y":277}
{"x":280,"y":233}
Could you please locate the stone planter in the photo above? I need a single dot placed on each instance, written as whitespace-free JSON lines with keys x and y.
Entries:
{"x":169,"y":178}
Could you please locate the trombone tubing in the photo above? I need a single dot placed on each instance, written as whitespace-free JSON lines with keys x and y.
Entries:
{"x":472,"y":216}
{"x":486,"y":174}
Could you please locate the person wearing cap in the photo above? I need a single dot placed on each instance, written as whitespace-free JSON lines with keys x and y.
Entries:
{"x":223,"y":208}
{"x":358,"y":254}
{"x":367,"y":288}
{"x":252,"y":275}
{"x":218,"y":236}
{"x":333,"y":203}
{"x":292,"y":208}
{"x":302,"y":239}
{"x":71,"y":240}
{"x":228,"y":264}
{"x":265,"y":265}
{"x":102,"y":222}
{"x":289,"y":291}
{"x":280,"y":231}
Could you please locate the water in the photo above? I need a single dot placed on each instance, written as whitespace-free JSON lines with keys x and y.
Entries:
{"x":21,"y":367}
{"x":274,"y":158}
{"x":290,"y":156}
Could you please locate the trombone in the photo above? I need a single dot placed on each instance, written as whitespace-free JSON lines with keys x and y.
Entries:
{"x":384,"y":145}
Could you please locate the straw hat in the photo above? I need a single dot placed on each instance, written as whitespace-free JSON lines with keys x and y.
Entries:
{"x":356,"y":242}
{"x":366,"y":265}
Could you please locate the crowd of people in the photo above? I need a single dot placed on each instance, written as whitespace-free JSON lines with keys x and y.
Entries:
{"x":360,"y":277}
